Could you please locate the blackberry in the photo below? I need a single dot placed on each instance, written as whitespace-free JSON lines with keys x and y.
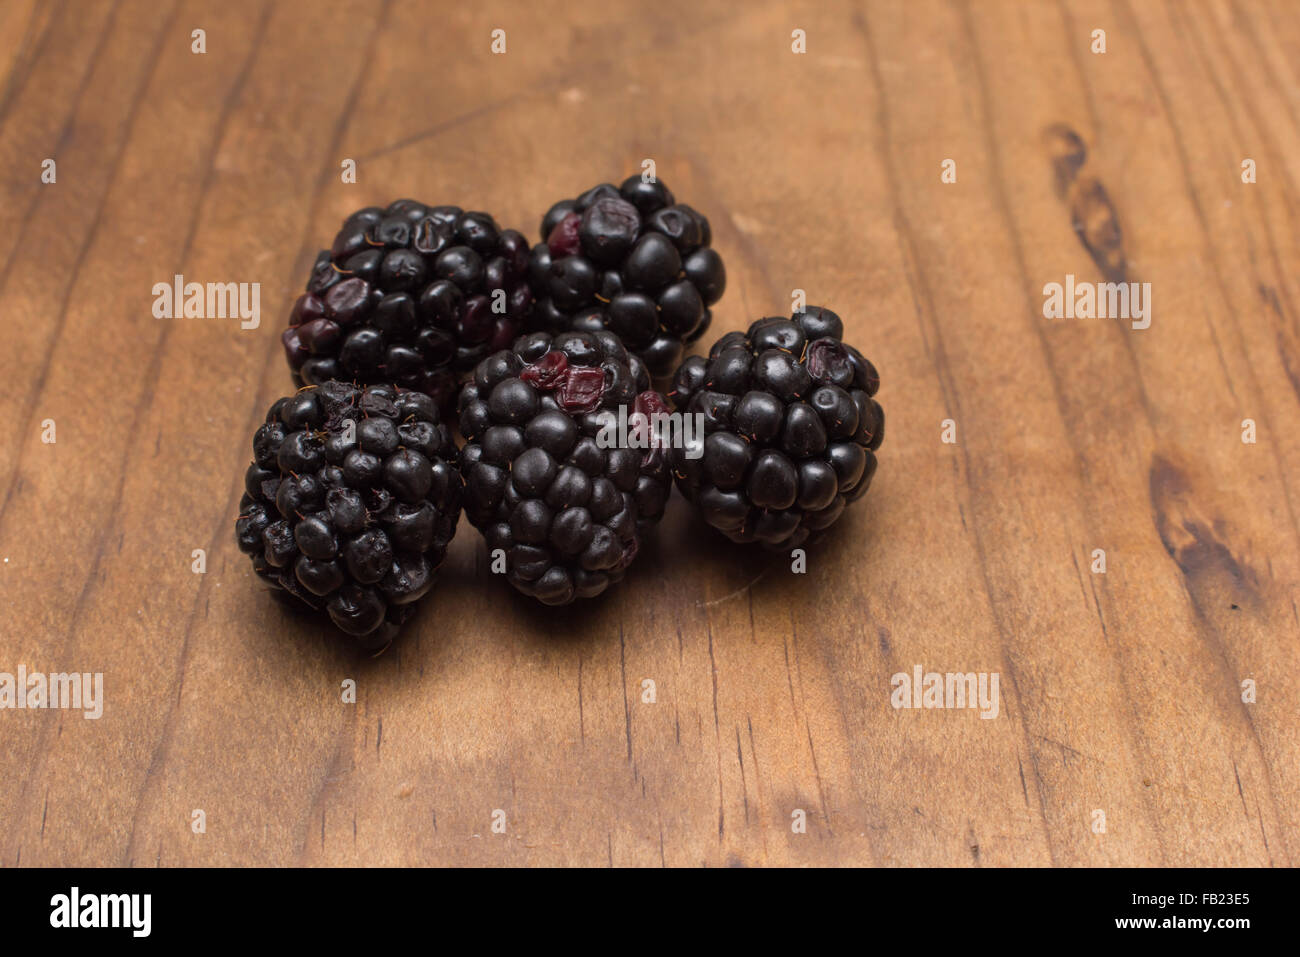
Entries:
{"x":350,"y":502}
{"x":632,"y":260}
{"x":790,"y":428}
{"x":411,"y":295}
{"x":542,"y":481}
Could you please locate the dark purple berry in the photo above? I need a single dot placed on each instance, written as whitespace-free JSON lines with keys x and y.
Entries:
{"x":790,"y":425}
{"x":364,"y":493}
{"x":408,"y":296}
{"x":631,"y":261}
{"x":565,"y":510}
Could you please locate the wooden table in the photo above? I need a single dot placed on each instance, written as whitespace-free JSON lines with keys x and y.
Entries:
{"x":1122,"y":736}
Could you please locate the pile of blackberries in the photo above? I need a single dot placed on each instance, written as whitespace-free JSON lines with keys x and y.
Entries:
{"x":548,"y":357}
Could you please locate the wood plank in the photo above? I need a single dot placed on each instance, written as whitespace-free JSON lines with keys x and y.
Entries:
{"x":1121,"y":692}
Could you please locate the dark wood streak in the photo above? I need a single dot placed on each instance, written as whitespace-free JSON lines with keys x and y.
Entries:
{"x":21,"y":72}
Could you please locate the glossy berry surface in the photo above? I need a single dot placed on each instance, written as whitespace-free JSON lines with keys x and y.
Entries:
{"x":350,"y":502}
{"x":412,"y":295}
{"x":632,"y":260}
{"x":543,"y":483}
{"x":791,"y":428}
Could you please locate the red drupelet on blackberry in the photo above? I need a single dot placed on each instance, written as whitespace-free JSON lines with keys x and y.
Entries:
{"x":791,"y":428}
{"x":410,"y":295}
{"x":631,"y":260}
{"x":350,"y":503}
{"x":541,"y":483}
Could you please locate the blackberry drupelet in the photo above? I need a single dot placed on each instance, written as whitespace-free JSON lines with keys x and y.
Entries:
{"x":566,"y":510}
{"x":632,"y":260}
{"x":411,"y":295}
{"x":350,"y":502}
{"x":790,"y":425}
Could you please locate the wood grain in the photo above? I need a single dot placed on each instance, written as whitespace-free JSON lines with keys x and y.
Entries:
{"x":1120,"y":692}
